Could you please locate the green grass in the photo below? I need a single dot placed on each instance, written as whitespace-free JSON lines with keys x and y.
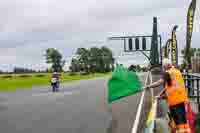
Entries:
{"x":17,"y":82}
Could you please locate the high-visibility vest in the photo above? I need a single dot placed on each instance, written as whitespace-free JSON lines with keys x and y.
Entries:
{"x":176,"y":93}
{"x":183,"y":128}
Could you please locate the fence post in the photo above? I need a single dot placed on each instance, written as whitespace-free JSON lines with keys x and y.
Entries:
{"x":189,"y":79}
{"x":186,"y":83}
{"x":184,"y":77}
{"x":198,"y":96}
{"x":193,"y":88}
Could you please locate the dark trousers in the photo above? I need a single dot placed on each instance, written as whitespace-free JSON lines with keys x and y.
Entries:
{"x":178,"y":113}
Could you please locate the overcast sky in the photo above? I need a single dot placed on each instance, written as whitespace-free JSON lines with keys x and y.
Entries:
{"x":28,"y":27}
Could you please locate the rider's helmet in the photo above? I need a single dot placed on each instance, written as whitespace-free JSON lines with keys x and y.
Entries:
{"x":54,"y":73}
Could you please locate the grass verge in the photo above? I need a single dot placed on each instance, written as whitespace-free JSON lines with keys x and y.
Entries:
{"x":21,"y":82}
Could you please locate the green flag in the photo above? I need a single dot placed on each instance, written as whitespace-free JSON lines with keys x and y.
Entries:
{"x":123,"y":83}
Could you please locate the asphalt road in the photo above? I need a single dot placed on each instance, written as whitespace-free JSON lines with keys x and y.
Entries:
{"x":79,"y":107}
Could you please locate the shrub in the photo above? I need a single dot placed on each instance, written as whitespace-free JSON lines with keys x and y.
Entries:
{"x":7,"y":76}
{"x":25,"y":76}
{"x":40,"y":75}
{"x":72,"y":73}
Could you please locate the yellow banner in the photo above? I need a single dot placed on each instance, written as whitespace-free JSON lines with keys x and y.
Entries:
{"x":174,"y":49}
{"x":190,"y":21}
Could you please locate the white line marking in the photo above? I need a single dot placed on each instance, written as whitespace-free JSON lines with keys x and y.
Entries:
{"x":53,"y":94}
{"x":152,"y":94}
{"x":136,"y":122}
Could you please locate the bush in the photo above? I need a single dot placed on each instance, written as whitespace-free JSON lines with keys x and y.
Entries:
{"x":7,"y":76}
{"x":72,"y":73}
{"x":40,"y":75}
{"x":132,"y":68}
{"x":25,"y":76}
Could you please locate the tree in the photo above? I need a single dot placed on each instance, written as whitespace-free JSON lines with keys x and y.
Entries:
{"x":93,"y":60}
{"x":188,"y":57}
{"x":95,"y":57}
{"x":83,"y":58}
{"x":107,"y":58}
{"x":101,"y":59}
{"x":132,"y":68}
{"x":75,"y":66}
{"x":54,"y":57}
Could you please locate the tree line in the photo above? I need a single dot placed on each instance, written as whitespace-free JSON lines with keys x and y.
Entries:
{"x":89,"y":60}
{"x":137,"y":68}
{"x":93,"y":60}
{"x":23,"y":70}
{"x":86,"y":60}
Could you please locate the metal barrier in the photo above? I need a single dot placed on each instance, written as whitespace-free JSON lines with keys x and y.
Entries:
{"x":192,"y":84}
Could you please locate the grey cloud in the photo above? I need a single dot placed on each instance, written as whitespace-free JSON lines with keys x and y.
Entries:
{"x":117,"y":10}
{"x":28,"y":27}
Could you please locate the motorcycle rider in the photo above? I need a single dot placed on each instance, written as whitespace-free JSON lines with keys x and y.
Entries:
{"x":55,"y":80}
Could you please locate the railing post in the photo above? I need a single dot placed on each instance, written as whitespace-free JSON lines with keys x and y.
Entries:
{"x":198,"y":96}
{"x":193,"y":90}
{"x":184,"y":77}
{"x":189,"y":84}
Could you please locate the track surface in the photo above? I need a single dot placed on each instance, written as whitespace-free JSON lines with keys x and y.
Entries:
{"x":79,"y":107}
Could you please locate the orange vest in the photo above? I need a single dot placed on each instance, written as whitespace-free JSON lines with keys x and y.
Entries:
{"x":176,"y":93}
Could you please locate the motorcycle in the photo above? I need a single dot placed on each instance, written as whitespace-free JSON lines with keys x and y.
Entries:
{"x":55,"y":84}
